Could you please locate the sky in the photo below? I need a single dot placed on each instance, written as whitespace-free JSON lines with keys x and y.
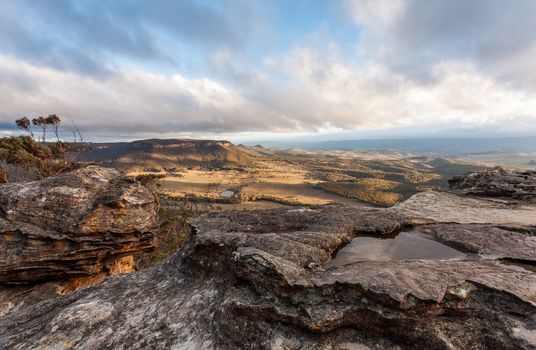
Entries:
{"x":260,"y":70}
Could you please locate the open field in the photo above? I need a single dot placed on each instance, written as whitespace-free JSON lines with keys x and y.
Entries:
{"x":296,"y":177}
{"x":260,"y":187}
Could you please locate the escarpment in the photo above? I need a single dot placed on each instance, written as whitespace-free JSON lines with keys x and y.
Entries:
{"x":157,"y":154}
{"x":273,"y":280}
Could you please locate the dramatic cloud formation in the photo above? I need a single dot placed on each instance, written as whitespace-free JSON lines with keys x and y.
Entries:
{"x":96,"y":36}
{"x":412,"y":36}
{"x":165,"y":67}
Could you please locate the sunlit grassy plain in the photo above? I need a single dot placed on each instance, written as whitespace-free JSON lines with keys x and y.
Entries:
{"x":311,"y":179}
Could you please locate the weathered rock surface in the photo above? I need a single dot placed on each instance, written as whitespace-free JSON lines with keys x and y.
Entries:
{"x":262,"y":280}
{"x":73,"y":225}
{"x":436,"y":206}
{"x":498,"y":182}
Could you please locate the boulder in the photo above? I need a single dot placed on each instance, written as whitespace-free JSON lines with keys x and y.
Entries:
{"x":75,"y":224}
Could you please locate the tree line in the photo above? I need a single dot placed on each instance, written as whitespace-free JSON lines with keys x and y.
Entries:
{"x":43,"y":123}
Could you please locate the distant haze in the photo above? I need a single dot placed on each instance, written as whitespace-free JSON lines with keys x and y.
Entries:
{"x":444,"y":146}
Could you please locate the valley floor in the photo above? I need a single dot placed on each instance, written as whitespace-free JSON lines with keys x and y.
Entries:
{"x":296,"y":178}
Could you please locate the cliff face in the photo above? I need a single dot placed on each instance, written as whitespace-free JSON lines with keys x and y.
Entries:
{"x":157,"y":154}
{"x":269,"y":280}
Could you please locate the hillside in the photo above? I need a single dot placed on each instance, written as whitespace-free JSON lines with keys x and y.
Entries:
{"x":164,"y":154}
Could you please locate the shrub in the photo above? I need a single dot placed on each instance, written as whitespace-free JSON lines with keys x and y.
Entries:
{"x":365,"y":192}
{"x":173,"y":230}
{"x":32,"y":160}
{"x":4,"y":177}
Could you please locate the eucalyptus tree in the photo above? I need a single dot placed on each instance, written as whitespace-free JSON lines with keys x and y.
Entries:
{"x":54,"y":121}
{"x":41,"y":122}
{"x":25,"y":124}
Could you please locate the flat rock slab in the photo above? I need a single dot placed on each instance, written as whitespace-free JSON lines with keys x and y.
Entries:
{"x":435,"y":206}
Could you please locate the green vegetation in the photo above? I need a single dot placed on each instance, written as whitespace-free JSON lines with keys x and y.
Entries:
{"x":42,"y":123}
{"x":4,"y":177}
{"x":173,"y":229}
{"x":22,"y":158}
{"x":294,"y":178}
{"x":29,"y":160}
{"x":372,"y":191}
{"x":379,"y":182}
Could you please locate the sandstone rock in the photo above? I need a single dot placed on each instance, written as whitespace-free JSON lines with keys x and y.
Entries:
{"x":73,"y":225}
{"x":263,"y":280}
{"x":498,"y":182}
{"x":485,"y":240}
{"x":436,"y":206}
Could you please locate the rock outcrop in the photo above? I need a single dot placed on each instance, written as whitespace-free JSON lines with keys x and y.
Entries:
{"x":73,"y":225}
{"x":264,"y":280}
{"x":498,"y":182}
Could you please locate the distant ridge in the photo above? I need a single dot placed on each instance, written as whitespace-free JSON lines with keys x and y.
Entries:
{"x":446,"y":146}
{"x":156,"y":154}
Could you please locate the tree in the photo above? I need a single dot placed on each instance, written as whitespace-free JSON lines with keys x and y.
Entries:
{"x":25,"y":124}
{"x":55,"y":121}
{"x":77,"y":135}
{"x":41,"y":122}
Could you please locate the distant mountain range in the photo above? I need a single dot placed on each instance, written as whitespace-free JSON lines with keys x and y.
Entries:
{"x":155,"y":154}
{"x":445,"y":146}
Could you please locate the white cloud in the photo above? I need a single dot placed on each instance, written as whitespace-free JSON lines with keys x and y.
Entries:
{"x":128,"y":100}
{"x":306,"y":91}
{"x":374,"y":96}
{"x":462,"y":93}
{"x":412,"y":36}
{"x":376,"y":13}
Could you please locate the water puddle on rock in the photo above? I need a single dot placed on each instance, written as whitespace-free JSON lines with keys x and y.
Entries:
{"x":406,"y":245}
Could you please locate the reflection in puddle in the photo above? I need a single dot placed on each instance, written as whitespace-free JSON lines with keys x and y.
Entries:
{"x":405,"y":246}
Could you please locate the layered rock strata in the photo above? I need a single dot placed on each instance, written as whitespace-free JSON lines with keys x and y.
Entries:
{"x":76,"y":224}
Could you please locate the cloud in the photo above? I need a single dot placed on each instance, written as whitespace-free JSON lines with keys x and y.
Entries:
{"x":90,"y":37}
{"x":374,"y":96}
{"x":418,"y":64}
{"x":412,"y":36}
{"x":315,"y":92}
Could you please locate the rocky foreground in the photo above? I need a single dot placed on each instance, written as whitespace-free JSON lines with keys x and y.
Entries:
{"x":266,"y":280}
{"x":74,"y":229}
